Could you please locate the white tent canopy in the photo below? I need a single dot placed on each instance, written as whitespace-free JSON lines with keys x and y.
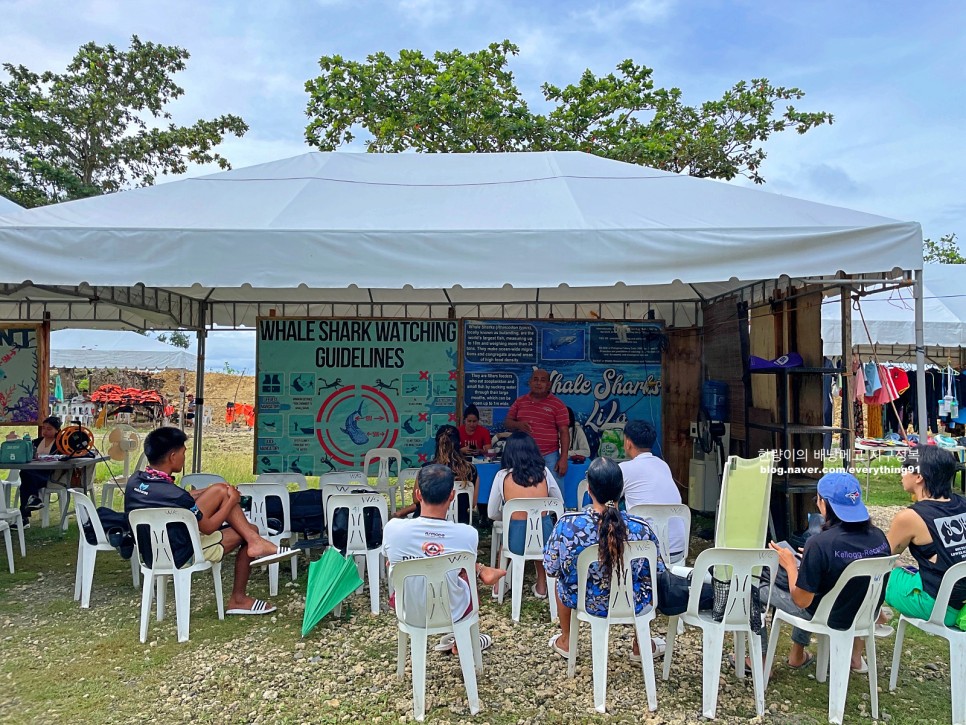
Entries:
{"x":890,"y":315}
{"x":120,"y":350}
{"x":8,"y":207}
{"x":414,"y":235}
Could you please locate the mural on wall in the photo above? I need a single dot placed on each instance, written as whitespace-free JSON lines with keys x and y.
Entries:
{"x":20,"y":374}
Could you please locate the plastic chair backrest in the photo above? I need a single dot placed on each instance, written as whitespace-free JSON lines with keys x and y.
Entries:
{"x":435,"y":611}
{"x":621,"y":591}
{"x":950,"y":579}
{"x":260,"y":493}
{"x":86,"y":512}
{"x":742,"y":521}
{"x":196,"y":481}
{"x":464,"y":489}
{"x":582,"y":492}
{"x":286,"y":478}
{"x":356,"y":503}
{"x":344,"y":477}
{"x":658,"y":517}
{"x":158,"y":520}
{"x":744,"y":566}
{"x":534,"y":508}
{"x":384,"y":457}
{"x":875,"y":568}
{"x":331,"y":489}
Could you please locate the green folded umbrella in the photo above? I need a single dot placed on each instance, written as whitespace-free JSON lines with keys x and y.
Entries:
{"x":331,"y":579}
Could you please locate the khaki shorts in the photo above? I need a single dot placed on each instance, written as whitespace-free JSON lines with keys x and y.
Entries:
{"x":212,"y":547}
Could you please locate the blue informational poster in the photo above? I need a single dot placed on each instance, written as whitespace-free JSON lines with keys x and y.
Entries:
{"x":607,"y":372}
{"x":329,"y":390}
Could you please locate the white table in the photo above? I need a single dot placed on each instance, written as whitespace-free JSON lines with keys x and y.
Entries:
{"x":85,"y":464}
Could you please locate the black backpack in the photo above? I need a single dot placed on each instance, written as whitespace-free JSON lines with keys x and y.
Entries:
{"x":305,"y":508}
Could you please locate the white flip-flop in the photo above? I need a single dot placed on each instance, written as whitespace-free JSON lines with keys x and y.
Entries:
{"x":282,"y":554}
{"x":259,"y":606}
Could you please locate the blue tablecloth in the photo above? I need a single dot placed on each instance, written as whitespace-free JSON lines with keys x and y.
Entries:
{"x":576,"y":472}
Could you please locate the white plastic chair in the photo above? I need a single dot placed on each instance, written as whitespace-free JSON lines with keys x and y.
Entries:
{"x":356,"y":545}
{"x":12,"y":517}
{"x":659,"y":517}
{"x":465,"y":490}
{"x":534,"y":508}
{"x":87,"y":552}
{"x":955,"y":636}
{"x":196,"y":481}
{"x":344,"y":477}
{"x":5,"y":529}
{"x":11,"y":488}
{"x":420,"y":619}
{"x":331,"y":489}
{"x":108,"y":488}
{"x":287,"y":478}
{"x":621,"y":610}
{"x":384,"y":458}
{"x":583,"y":489}
{"x":406,"y":481}
{"x":260,"y":493}
{"x":162,"y":566}
{"x":835,"y":663}
{"x":745,"y":565}
{"x":63,"y":500}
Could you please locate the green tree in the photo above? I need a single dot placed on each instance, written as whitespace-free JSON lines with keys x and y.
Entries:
{"x":100,"y":126}
{"x":457,"y":102}
{"x":945,"y":250}
{"x":176,"y":338}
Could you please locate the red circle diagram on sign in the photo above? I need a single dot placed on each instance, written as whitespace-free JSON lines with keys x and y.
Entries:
{"x":344,"y":411}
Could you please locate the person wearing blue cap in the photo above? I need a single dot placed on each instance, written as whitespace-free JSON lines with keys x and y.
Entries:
{"x":846,"y":536}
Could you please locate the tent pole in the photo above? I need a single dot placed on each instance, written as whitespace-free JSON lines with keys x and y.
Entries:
{"x":847,"y":437}
{"x":199,"y":390}
{"x":920,"y":362}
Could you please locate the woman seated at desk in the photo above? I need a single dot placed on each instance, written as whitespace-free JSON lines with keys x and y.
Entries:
{"x":33,"y":482}
{"x":474,"y":438}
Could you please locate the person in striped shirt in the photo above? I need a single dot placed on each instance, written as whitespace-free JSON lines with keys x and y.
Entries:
{"x":544,"y":416}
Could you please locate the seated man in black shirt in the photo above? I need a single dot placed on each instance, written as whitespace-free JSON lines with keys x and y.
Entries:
{"x":221,"y":521}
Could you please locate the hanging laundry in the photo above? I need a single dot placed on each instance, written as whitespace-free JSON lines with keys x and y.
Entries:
{"x":874,"y":427}
{"x":871,"y":373}
{"x":859,"y":394}
{"x":900,"y":379}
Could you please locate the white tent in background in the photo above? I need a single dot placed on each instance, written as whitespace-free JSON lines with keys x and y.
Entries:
{"x":120,"y":350}
{"x":890,"y":316}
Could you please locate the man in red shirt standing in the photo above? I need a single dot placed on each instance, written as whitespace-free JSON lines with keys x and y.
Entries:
{"x":544,"y":416}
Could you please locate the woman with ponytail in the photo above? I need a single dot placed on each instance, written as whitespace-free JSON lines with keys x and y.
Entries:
{"x":447,"y":454}
{"x":604,"y":524}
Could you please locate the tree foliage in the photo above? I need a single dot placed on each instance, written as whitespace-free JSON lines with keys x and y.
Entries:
{"x":945,"y":251}
{"x":455,"y":102}
{"x":176,"y":338}
{"x":100,"y":126}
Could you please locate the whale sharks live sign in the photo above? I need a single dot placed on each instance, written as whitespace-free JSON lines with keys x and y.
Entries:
{"x":329,"y":390}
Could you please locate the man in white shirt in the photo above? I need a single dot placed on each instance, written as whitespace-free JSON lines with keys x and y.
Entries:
{"x":647,"y":479}
{"x":430,"y":534}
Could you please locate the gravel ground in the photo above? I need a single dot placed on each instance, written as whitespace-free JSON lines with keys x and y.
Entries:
{"x":261,"y":671}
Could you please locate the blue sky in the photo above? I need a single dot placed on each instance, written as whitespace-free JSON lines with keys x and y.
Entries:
{"x":891,"y":72}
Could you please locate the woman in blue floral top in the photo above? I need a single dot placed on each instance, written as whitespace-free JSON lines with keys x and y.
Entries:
{"x":604,"y":524}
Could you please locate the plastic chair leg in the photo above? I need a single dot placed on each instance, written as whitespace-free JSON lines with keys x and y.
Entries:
{"x":672,"y":631}
{"x":477,"y":648}
{"x":870,"y":656}
{"x":372,"y":566}
{"x":87,"y":582}
{"x":273,"y":580}
{"x":772,"y":646}
{"x":219,"y":597}
{"x":713,"y":647}
{"x":135,"y":571}
{"x":64,"y":500}
{"x":161,"y":584}
{"x":740,"y":655}
{"x":182,"y":604}
{"x":897,"y":655}
{"x":840,"y":659}
{"x":418,"y":649}
{"x":147,"y":592}
{"x":402,"y":641}
{"x":23,"y":543}
{"x":572,"y":660}
{"x":599,"y":642}
{"x":957,"y":679}
{"x":465,"y":649}
{"x":494,"y":544}
{"x":8,"y":540}
{"x":78,"y":570}
{"x":552,"y":598}
{"x":757,"y":674}
{"x":516,"y":589}
{"x":643,"y":632}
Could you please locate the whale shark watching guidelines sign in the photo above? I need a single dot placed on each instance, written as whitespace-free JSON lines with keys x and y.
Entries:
{"x":329,"y":390}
